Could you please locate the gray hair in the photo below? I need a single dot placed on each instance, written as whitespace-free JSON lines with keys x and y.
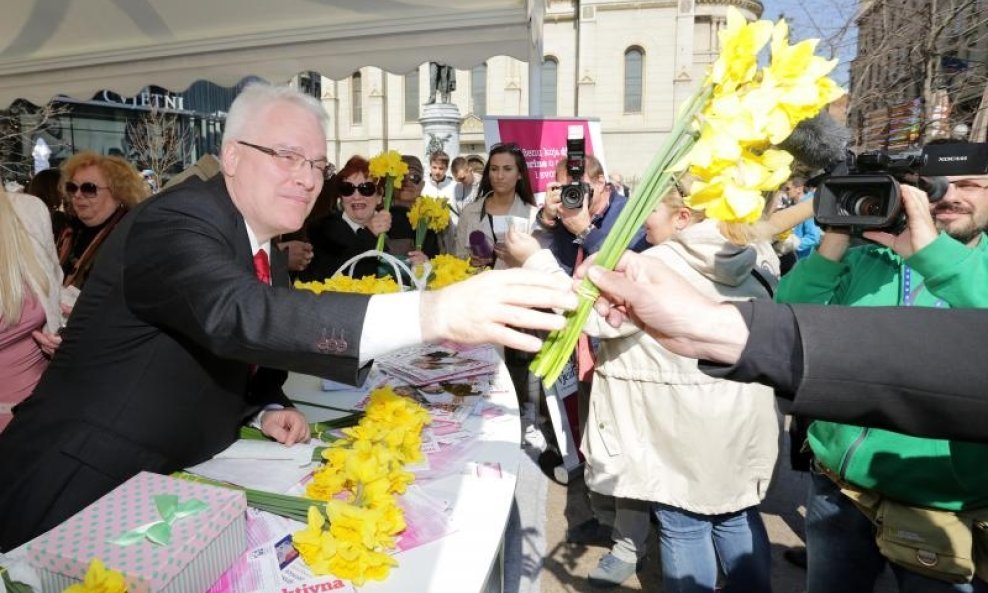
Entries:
{"x":258,"y":95}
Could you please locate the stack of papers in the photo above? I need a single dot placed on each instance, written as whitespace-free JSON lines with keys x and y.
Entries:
{"x":431,"y":364}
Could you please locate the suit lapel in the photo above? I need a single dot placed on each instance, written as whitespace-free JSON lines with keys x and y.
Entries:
{"x":279,"y":267}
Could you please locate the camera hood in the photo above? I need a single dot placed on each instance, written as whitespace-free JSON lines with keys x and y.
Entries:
{"x":871,"y":201}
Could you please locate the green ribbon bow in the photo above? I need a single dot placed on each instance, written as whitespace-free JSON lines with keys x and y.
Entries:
{"x":160,"y":532}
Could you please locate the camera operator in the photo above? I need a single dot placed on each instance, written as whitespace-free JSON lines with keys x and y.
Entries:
{"x":859,"y":472}
{"x":571,"y":230}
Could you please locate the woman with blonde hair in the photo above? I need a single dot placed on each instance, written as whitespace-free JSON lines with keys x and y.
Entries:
{"x":101,"y":190}
{"x":699,"y":451}
{"x":30,"y":280}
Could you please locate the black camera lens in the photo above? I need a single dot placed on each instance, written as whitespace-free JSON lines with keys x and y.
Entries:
{"x":863,"y":204}
{"x":571,"y":195}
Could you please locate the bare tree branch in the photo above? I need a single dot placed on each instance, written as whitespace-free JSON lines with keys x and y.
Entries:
{"x":158,"y":141}
{"x":19,"y":127}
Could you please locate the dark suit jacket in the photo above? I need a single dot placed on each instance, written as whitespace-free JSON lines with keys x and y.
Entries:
{"x":154,"y":369}
{"x":914,"y":370}
{"x":334,"y":242}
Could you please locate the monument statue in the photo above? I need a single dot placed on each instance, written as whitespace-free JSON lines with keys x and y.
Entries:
{"x":436,"y":143}
{"x":442,"y":80}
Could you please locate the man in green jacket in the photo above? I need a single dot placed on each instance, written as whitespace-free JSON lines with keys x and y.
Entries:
{"x":940,"y":260}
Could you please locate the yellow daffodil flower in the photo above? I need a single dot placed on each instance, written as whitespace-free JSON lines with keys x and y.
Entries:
{"x":99,"y":579}
{"x":388,"y":164}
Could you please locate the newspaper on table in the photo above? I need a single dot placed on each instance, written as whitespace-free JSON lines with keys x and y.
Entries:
{"x":431,"y":364}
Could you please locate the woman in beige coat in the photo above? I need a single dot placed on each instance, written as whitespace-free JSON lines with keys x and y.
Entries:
{"x":659,"y":430}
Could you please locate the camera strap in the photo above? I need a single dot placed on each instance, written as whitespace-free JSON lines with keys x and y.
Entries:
{"x":911,"y":292}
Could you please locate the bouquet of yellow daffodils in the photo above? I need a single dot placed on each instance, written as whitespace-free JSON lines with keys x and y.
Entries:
{"x":428,"y":213}
{"x":448,"y":269}
{"x":366,"y":467}
{"x":724,"y":137}
{"x":389,"y":167}
{"x":344,"y":283}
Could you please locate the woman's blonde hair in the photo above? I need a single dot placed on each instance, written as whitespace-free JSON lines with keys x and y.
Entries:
{"x":126,"y":184}
{"x":739,"y":233}
{"x":20,"y":268}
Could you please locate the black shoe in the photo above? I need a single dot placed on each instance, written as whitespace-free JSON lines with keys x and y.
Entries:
{"x":590,"y":533}
{"x":795,"y":556}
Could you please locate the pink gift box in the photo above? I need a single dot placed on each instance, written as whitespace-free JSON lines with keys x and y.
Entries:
{"x":202,"y":546}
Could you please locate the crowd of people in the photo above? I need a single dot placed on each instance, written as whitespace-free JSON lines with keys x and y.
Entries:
{"x":139,"y":334}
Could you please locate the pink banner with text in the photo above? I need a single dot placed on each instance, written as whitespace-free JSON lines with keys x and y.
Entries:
{"x":543,"y":142}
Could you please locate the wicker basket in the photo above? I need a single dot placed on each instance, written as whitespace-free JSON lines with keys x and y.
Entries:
{"x":397,"y":266}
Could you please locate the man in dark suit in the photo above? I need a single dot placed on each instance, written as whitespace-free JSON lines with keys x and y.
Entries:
{"x":159,"y":364}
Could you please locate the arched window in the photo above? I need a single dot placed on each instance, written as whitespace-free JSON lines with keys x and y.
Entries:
{"x":550,"y":81}
{"x":634,"y":62}
{"x":356,"y":99}
{"x":478,"y":89}
{"x":412,"y":95}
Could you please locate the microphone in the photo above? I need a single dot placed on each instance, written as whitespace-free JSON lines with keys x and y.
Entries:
{"x":818,"y":142}
{"x":480,"y":245}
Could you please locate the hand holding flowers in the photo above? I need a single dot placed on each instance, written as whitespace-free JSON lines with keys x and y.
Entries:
{"x":388,"y":166}
{"x":428,"y":213}
{"x":724,"y":137}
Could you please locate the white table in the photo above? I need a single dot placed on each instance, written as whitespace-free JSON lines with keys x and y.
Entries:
{"x":469,"y":559}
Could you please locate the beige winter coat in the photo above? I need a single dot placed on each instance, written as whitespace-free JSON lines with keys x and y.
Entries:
{"x":659,"y":429}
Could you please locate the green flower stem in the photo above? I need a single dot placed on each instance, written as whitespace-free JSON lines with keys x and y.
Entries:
{"x":13,"y":586}
{"x":658,"y":179}
{"x":389,"y":188}
{"x":292,"y":507}
{"x":420,"y":229}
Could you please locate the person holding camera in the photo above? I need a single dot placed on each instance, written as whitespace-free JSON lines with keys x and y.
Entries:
{"x":578,"y":224}
{"x":863,"y":477}
{"x":578,"y":213}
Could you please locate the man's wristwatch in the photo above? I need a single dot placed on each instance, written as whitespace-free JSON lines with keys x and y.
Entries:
{"x":582,"y":235}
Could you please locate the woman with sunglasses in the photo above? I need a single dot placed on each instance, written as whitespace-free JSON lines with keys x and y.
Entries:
{"x":101,"y":190}
{"x":506,"y":192}
{"x":343,"y":234}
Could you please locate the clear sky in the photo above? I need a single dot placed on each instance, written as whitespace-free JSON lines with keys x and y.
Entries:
{"x":823,"y":19}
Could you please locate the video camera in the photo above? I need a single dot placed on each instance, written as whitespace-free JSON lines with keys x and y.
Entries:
{"x":862,"y":193}
{"x":573,"y":193}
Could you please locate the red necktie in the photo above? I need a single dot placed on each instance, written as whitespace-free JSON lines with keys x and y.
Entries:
{"x":261,"y":266}
{"x":263,"y":271}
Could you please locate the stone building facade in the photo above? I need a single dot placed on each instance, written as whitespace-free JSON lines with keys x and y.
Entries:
{"x":629,"y":64}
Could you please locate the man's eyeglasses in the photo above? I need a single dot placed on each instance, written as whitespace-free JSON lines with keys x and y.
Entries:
{"x":970,"y":185}
{"x":366,"y":189}
{"x":289,"y":160}
{"x":87,"y":188}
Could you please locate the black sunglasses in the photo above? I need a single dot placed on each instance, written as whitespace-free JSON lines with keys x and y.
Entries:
{"x":505,"y":146}
{"x":366,"y":189}
{"x":414,"y":178}
{"x":88,"y":189}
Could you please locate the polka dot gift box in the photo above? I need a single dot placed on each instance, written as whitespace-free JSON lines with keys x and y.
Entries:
{"x":163,"y":534}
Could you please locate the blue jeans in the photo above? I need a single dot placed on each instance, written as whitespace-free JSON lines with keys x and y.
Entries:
{"x":842,"y":556}
{"x":692,"y":545}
